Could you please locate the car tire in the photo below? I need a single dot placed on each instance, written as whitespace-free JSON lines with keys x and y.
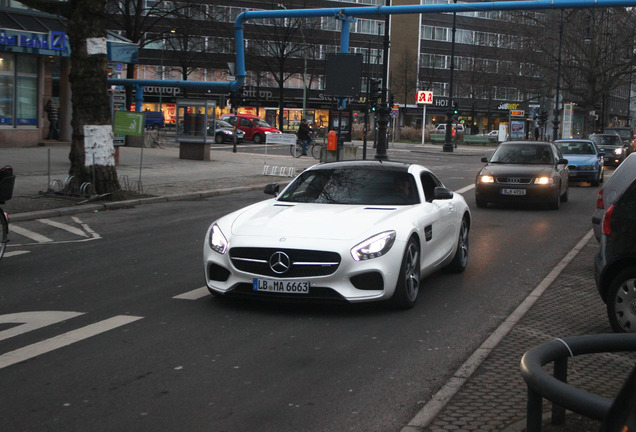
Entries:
{"x":566,"y":195}
{"x":459,"y":262}
{"x":481,"y":203}
{"x":257,"y":139}
{"x":621,"y":297}
{"x":556,"y":200}
{"x":218,"y":138}
{"x":408,"y":285}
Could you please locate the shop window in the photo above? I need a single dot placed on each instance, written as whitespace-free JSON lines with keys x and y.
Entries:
{"x":27,"y":91}
{"x":7,"y":80}
{"x":18,"y":90}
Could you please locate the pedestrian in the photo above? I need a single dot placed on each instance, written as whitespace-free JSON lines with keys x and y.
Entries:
{"x":304,"y":135}
{"x":53,"y":114}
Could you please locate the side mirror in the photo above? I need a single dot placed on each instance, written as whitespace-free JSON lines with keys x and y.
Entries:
{"x":442,"y":193}
{"x":562,"y":162}
{"x":272,"y":189}
{"x":484,"y":159}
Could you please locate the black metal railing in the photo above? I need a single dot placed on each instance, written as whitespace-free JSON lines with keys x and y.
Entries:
{"x":555,"y":388}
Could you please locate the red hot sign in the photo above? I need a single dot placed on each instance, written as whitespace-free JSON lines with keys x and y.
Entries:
{"x":424,"y":97}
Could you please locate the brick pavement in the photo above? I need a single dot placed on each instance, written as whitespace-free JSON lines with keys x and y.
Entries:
{"x":494,"y":397}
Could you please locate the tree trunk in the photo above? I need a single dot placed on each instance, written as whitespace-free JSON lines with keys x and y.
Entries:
{"x":91,"y":107}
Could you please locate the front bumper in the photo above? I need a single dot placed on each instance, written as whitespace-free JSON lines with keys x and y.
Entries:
{"x":493,"y":192}
{"x":352,"y":281}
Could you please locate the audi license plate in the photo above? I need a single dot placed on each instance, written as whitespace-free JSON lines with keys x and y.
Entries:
{"x":513,"y":191}
{"x":284,"y":287}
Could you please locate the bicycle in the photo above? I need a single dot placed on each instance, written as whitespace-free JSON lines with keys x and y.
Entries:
{"x":155,"y":138}
{"x":7,"y":180}
{"x":313,"y":147}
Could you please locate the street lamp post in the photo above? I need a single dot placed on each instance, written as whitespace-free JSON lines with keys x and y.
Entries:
{"x":555,"y":120}
{"x":448,"y":142}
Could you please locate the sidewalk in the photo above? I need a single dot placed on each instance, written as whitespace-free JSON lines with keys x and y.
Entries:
{"x":482,"y":395}
{"x":493,"y":397}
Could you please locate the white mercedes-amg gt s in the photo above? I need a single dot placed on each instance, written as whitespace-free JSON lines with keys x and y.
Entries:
{"x":356,"y":231}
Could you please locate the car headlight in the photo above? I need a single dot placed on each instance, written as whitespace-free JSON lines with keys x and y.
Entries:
{"x":486,"y":179}
{"x":218,"y":242}
{"x":543,"y":180}
{"x":227,"y":132}
{"x":618,"y":151}
{"x":374,"y":247}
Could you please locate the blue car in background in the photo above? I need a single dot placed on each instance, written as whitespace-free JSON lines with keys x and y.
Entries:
{"x":585,"y":160}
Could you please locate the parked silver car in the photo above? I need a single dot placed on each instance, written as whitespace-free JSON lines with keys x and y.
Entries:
{"x":613,"y":189}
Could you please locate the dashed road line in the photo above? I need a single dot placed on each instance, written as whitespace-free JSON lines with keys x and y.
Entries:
{"x":194,"y":294}
{"x":48,"y":345}
{"x":63,"y":226}
{"x":30,"y":234}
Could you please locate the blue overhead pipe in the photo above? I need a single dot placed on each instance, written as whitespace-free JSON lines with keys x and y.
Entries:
{"x":226,"y":87}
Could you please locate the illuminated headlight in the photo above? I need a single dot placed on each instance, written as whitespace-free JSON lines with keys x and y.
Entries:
{"x":543,"y":180}
{"x":227,"y":132}
{"x":486,"y":179}
{"x":618,"y":151}
{"x":270,"y":132}
{"x":218,"y":242}
{"x":374,"y":247}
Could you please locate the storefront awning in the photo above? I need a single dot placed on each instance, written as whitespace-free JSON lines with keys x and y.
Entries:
{"x":34,"y":32}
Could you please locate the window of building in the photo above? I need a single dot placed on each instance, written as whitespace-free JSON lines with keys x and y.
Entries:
{"x":18,"y":90}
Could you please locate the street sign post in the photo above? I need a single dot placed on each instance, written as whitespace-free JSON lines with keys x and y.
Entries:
{"x":424,"y":98}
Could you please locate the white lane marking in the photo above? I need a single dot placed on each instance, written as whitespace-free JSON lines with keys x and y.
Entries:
{"x":29,"y":234}
{"x":15,"y":253}
{"x":194,"y":294}
{"x":64,"y":227}
{"x":63,"y":340}
{"x":86,"y":227}
{"x":465,"y":189}
{"x":32,"y":320}
{"x":432,"y":408}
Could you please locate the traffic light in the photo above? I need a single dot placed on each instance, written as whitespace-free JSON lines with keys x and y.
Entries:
{"x":391,"y":100}
{"x":543,"y":118}
{"x":456,"y":112}
{"x":375,"y":88}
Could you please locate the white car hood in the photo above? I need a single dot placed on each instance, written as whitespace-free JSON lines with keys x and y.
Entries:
{"x":317,"y":221}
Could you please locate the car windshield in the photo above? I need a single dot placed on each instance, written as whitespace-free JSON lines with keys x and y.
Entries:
{"x":223,"y":124}
{"x":260,"y":122}
{"x":534,"y":154}
{"x":576,"y":147}
{"x":360,"y":186}
{"x":607,"y":140}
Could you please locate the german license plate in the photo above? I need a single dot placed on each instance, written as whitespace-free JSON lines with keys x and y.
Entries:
{"x":513,"y":191}
{"x":283,"y":287}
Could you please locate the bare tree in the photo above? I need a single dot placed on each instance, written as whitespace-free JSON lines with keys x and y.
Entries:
{"x":404,"y":77}
{"x":596,"y":55}
{"x":88,"y":77}
{"x":278,"y":46}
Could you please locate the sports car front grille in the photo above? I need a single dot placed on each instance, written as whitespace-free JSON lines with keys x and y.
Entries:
{"x":514,"y":180}
{"x":303,"y":263}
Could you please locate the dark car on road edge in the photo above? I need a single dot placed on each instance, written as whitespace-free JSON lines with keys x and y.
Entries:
{"x":523,"y":171}
{"x":615,"y":263}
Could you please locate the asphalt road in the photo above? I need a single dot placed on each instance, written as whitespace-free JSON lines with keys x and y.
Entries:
{"x":138,"y":354}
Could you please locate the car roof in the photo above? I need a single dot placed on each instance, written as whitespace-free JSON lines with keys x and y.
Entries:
{"x":622,"y":177}
{"x":574,"y":140}
{"x":526,"y":143}
{"x":358,"y":164}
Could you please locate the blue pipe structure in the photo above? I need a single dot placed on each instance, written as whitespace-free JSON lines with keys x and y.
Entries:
{"x":346,"y":15}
